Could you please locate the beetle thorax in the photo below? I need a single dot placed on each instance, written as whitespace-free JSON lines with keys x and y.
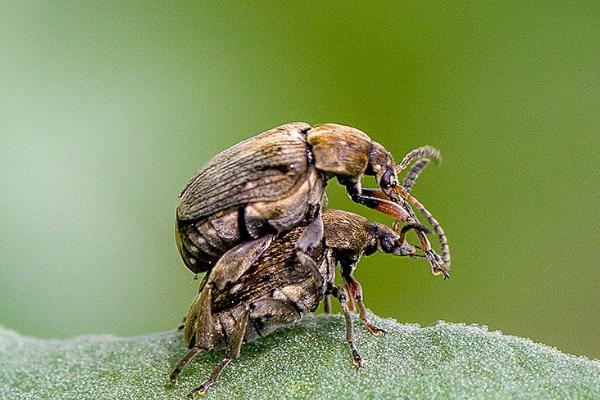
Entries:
{"x":339,"y":150}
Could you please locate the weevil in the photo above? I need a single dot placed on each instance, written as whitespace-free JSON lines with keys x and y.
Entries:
{"x":422,"y":157}
{"x":248,"y":296}
{"x":270,"y":183}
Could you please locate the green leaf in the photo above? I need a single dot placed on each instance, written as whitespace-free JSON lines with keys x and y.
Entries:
{"x":308,"y":360}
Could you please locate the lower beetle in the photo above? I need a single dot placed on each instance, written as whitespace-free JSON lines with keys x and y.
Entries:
{"x":249,"y":295}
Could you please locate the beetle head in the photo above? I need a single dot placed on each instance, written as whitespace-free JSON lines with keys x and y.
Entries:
{"x":382,"y":166}
{"x":389,"y":241}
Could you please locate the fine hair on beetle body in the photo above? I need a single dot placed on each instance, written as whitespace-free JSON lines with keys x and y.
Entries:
{"x":246,"y":297}
{"x":275,"y":181}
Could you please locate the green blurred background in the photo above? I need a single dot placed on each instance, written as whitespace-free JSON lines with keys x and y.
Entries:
{"x":107,"y":110}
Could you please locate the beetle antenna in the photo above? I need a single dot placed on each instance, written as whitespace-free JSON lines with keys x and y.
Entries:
{"x":431,"y":219}
{"x":408,"y":227}
{"x":414,"y":173}
{"x":420,"y":152}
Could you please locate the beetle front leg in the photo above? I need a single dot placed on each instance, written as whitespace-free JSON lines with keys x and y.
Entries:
{"x":233,"y":351}
{"x":381,"y":204}
{"x":355,"y":290}
{"x":439,"y":265}
{"x":340,"y":294}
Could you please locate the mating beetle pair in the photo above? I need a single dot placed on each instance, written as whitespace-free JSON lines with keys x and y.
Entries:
{"x":252,"y":219}
{"x":276,"y":181}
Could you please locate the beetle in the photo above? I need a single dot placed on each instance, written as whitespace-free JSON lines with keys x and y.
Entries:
{"x":248,"y":296}
{"x":421,"y":157}
{"x":270,"y":183}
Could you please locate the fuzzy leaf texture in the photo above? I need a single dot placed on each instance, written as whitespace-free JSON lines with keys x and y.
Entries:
{"x":308,"y":360}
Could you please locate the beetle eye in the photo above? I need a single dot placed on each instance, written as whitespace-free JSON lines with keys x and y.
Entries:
{"x":388,"y":179}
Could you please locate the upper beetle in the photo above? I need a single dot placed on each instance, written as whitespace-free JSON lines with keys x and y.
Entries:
{"x":275,"y":181}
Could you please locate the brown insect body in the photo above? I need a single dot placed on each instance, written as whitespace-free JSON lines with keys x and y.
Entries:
{"x":274,"y":182}
{"x":247,"y":297}
{"x":276,"y":286}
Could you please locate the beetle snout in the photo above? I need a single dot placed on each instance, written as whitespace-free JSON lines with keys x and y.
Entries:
{"x":388,"y":179}
{"x":404,"y":249}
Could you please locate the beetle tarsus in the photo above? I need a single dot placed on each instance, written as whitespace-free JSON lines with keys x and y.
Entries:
{"x":201,"y":390}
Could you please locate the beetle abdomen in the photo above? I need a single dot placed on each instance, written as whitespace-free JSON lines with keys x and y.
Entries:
{"x":201,"y":243}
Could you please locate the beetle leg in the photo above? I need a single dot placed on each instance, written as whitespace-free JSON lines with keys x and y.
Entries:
{"x":340,"y":294}
{"x":439,"y":265}
{"x":236,"y":261}
{"x":199,"y":323}
{"x":372,"y":199}
{"x":355,"y":290}
{"x":270,"y":313}
{"x":436,"y":262}
{"x":194,"y":351}
{"x":233,"y":351}
{"x":445,"y":258}
{"x":329,"y":280}
{"x":310,"y":239}
{"x":327,"y":304}
{"x":350,"y":300}
{"x":380,"y":194}
{"x":309,"y":263}
{"x":198,"y":328}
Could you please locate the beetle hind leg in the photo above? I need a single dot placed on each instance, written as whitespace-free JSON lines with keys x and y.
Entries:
{"x":233,"y":351}
{"x":190,"y":355}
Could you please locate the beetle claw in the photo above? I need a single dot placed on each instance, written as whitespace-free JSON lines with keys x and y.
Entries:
{"x":376,"y":331}
{"x":357,"y":359}
{"x":360,"y":363}
{"x":439,"y":270}
{"x":200,"y":390}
